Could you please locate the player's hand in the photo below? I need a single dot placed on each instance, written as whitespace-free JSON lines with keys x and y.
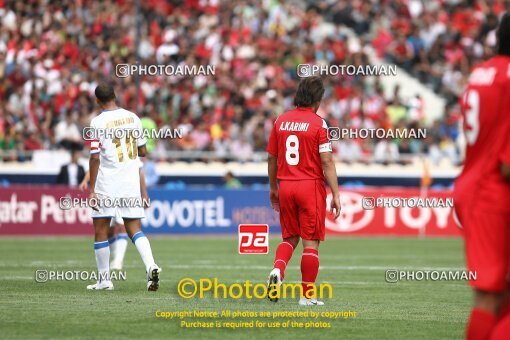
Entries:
{"x":93,"y":201}
{"x":84,"y":185}
{"x":335,"y":206}
{"x":273,"y":197}
{"x":146,"y":200}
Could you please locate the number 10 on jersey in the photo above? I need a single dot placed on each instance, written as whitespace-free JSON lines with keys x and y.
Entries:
{"x":131,"y":146}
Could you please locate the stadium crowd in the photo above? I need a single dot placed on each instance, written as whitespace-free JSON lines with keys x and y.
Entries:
{"x":52,"y":55}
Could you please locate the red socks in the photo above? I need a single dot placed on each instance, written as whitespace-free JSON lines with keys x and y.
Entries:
{"x":283,"y":255}
{"x":309,"y":264}
{"x":309,"y":269}
{"x":480,"y":325}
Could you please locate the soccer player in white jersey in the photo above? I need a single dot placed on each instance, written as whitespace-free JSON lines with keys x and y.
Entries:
{"x":114,"y":174}
{"x":117,"y":236}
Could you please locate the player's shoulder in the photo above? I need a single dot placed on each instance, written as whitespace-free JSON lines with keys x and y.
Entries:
{"x":123,"y":111}
{"x":497,"y":67}
{"x":500,"y":61}
{"x":307,"y":115}
{"x":96,"y":120}
{"x":317,"y":121}
{"x":132,"y":114}
{"x":284,"y":115}
{"x":322,"y":121}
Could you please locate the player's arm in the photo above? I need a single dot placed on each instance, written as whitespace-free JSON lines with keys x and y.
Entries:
{"x":329,"y":168}
{"x":272,"y":168}
{"x":85,"y":183}
{"x":141,"y":141}
{"x":93,"y":169}
{"x":94,"y":161}
{"x":505,"y":163}
{"x":504,"y":157}
{"x":143,"y":189}
{"x":142,"y":151}
{"x":505,"y":172}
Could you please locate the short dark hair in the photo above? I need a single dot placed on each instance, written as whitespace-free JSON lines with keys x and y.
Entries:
{"x":503,"y":35}
{"x":309,"y":92}
{"x":105,"y":93}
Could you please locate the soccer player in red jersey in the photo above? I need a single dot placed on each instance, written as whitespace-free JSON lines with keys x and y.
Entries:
{"x":300,"y":158}
{"x":482,"y":191}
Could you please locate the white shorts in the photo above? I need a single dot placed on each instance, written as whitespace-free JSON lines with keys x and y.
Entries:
{"x":116,"y":220}
{"x":116,"y":213}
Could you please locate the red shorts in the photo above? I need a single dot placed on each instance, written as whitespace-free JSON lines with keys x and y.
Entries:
{"x":487,"y":246}
{"x":303,"y":209}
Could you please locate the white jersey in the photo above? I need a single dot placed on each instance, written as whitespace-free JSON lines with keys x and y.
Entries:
{"x":118,"y":174}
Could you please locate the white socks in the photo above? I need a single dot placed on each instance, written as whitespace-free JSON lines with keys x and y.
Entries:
{"x":102,"y":252}
{"x":118,"y":247}
{"x":144,"y":248}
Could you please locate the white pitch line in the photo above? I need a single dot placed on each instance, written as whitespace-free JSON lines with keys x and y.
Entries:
{"x":333,"y":283}
{"x":9,"y":278}
{"x":55,"y":265}
{"x":339,"y":283}
{"x":268,"y":267}
{"x":372,"y":283}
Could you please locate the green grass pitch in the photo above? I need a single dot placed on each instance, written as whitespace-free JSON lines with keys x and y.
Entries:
{"x":354,"y":266}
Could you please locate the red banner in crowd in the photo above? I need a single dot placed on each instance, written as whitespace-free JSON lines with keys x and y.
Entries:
{"x":36,"y":210}
{"x":394,"y":212}
{"x":39,"y":210}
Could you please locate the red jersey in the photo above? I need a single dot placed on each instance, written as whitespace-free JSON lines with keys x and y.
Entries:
{"x":297,"y":139}
{"x":486,"y":110}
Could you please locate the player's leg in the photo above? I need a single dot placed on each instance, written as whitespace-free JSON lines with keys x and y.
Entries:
{"x":140,"y":241}
{"x":118,"y":246}
{"x":309,"y":271}
{"x":290,"y":235}
{"x":486,"y":249}
{"x":142,"y":244}
{"x":102,"y":253}
{"x":111,"y":241}
{"x":284,"y":253}
{"x":282,"y":257}
{"x":312,"y":216}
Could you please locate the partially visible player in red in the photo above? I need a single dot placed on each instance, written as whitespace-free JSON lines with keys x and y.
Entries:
{"x":482,"y":191}
{"x":300,"y":158}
